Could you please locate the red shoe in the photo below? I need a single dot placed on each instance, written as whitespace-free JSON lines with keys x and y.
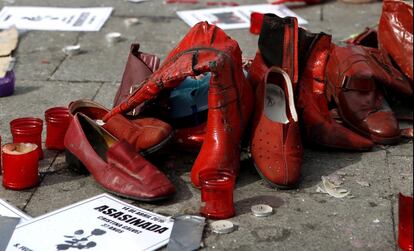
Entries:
{"x":369,"y":38}
{"x":319,"y":127}
{"x":114,"y":164}
{"x":395,"y":34}
{"x":276,"y":146}
{"x":191,"y":138}
{"x":206,"y":48}
{"x":352,"y":82}
{"x":145,"y":134}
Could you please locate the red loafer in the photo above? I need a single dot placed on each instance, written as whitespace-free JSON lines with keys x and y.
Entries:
{"x":354,"y":83}
{"x":114,"y":164}
{"x":145,"y":134}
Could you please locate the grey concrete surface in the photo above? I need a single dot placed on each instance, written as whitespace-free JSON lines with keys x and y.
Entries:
{"x":303,"y":220}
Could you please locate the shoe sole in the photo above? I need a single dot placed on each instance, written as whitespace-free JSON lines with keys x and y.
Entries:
{"x":79,"y":170}
{"x":374,"y":138}
{"x":273,"y":185}
{"x":157,"y":147}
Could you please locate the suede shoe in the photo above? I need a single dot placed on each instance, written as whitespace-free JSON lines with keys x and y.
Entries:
{"x":146,"y":135}
{"x":276,"y":145}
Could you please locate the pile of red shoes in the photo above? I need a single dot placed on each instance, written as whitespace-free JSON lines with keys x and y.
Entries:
{"x":293,"y":86}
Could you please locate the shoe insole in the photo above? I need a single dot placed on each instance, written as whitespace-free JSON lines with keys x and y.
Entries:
{"x":275,"y":104}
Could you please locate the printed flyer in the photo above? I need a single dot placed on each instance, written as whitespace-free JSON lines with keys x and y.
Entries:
{"x":63,"y":19}
{"x":99,"y":223}
{"x":10,"y":211}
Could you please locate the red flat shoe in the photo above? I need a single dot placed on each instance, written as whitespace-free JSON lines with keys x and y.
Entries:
{"x":114,"y":164}
{"x":276,"y":146}
{"x":147,"y":135}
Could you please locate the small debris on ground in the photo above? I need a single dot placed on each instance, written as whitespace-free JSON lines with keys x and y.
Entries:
{"x":131,"y":21}
{"x":222,"y":227}
{"x":328,"y":187}
{"x":363,"y":183}
{"x":71,"y":50}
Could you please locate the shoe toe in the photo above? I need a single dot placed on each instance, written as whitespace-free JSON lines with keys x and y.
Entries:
{"x":382,"y":124}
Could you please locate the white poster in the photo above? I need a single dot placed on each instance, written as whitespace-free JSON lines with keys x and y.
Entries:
{"x":235,"y":17}
{"x":100,"y":223}
{"x":62,"y":19}
{"x":10,"y":211}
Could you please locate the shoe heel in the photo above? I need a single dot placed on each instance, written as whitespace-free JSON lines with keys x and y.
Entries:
{"x":74,"y":164}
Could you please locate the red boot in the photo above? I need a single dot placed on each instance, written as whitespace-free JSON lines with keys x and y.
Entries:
{"x":206,"y":48}
{"x":319,"y":127}
{"x":276,"y":146}
{"x":395,"y":34}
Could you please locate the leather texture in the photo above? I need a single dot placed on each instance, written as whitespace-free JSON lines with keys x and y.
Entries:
{"x":395,"y":34}
{"x":139,"y":66}
{"x":117,"y":167}
{"x":276,"y":147}
{"x":191,"y":137}
{"x":206,"y":48}
{"x":144,"y":134}
{"x":318,"y":125}
{"x":354,"y":82}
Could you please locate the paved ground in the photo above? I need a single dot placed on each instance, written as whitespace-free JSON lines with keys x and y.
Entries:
{"x":303,"y":219}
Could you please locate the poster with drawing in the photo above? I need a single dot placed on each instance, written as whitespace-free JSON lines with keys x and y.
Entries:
{"x":63,"y":19}
{"x":10,"y":211}
{"x":99,"y":223}
{"x":234,"y":17}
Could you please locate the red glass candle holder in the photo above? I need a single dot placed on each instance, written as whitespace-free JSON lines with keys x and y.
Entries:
{"x":217,"y":193}
{"x":256,"y":22}
{"x":57,"y":122}
{"x":20,"y":165}
{"x":28,"y":130}
{"x":405,"y":224}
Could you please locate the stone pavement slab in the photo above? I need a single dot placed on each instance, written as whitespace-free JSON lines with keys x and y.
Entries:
{"x":303,"y":219}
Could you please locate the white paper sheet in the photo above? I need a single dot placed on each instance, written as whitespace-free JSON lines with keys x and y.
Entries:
{"x":101,"y":223}
{"x":62,"y":19}
{"x":10,"y":211}
{"x":235,"y":17}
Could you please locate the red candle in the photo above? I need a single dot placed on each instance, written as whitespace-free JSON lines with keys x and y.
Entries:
{"x":28,"y":130}
{"x":217,"y":193}
{"x":57,"y":122}
{"x":405,"y":224}
{"x":20,"y":165}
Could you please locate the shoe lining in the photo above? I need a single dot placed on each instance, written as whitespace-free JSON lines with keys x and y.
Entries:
{"x":275,"y":104}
